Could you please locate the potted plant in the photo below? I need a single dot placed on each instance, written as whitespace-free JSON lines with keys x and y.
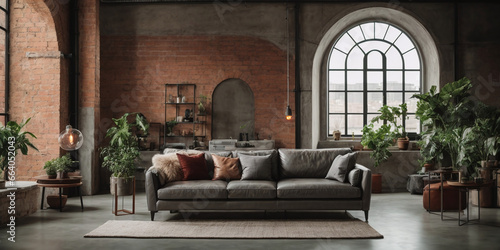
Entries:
{"x":392,"y":115}
{"x":378,"y":140}
{"x":13,"y":139}
{"x":50,"y":169}
{"x":445,"y":115}
{"x":201,"y":105}
{"x":170,"y":127}
{"x":119,"y":156}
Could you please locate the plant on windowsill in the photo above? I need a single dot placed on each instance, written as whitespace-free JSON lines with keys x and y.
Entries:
{"x":120,"y":155}
{"x":392,"y":115}
{"x":13,"y":139}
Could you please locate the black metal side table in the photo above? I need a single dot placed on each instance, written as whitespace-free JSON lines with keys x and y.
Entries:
{"x":466,"y":187}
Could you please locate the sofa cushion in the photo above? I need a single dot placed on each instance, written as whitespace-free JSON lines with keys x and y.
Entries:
{"x":188,"y":190}
{"x":316,"y":188}
{"x":355,"y":177}
{"x":194,"y":167}
{"x":167,"y":167}
{"x":226,"y":168}
{"x":341,"y":167}
{"x":256,"y":167}
{"x":208,"y":156}
{"x":274,"y":158}
{"x":251,"y":189}
{"x":308,"y":163}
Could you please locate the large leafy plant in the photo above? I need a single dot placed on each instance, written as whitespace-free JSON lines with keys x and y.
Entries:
{"x":123,"y":147}
{"x":13,"y":139}
{"x":449,"y":118}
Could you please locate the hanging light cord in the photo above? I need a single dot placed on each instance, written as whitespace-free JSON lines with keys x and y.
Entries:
{"x":287,"y":60}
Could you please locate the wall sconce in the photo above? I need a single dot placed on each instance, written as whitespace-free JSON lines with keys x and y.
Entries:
{"x":70,"y":139}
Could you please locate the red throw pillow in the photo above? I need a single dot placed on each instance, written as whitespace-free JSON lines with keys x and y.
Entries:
{"x":194,"y":167}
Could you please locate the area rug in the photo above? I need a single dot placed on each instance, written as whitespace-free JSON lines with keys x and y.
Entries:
{"x":237,"y":229}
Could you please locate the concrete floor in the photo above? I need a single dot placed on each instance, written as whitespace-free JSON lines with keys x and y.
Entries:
{"x":398,"y":216}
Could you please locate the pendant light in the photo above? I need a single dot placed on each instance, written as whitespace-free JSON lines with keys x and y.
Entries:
{"x":70,"y":139}
{"x":288,"y":112}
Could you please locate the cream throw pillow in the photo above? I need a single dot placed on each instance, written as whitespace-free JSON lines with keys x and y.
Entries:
{"x":167,"y":167}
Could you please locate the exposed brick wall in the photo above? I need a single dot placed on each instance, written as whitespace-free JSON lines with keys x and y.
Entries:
{"x":38,"y":84}
{"x":134,"y":70}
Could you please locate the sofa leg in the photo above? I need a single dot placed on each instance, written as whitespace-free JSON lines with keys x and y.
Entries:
{"x":366,"y":216}
{"x":153,"y":215}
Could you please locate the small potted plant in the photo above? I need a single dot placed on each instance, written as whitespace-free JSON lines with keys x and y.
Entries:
{"x":201,"y":105}
{"x":170,"y":127}
{"x":392,"y":115}
{"x":62,"y":165}
{"x":50,"y":169}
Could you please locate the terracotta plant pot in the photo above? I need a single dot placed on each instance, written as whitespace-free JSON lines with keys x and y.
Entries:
{"x":376,"y":183}
{"x":124,"y":186}
{"x":403,"y":143}
{"x":53,"y":200}
{"x":51,"y":176}
{"x":428,"y":167}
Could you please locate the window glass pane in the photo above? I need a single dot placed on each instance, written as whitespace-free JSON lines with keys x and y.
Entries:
{"x":380,"y":29}
{"x":355,"y":59}
{"x":337,"y":102}
{"x":392,"y":34}
{"x":374,"y":60}
{"x":412,"y":124}
{"x":355,"y":102}
{"x":394,"y":59}
{"x":412,"y":79}
{"x":356,"y":34}
{"x":412,"y":60}
{"x":354,"y":80}
{"x":394,"y":80}
{"x":337,"y":60}
{"x":394,"y":99}
{"x":336,"y":122}
{"x":368,"y":30}
{"x":377,"y":124}
{"x":404,"y":43}
{"x":375,"y":101}
{"x":355,"y":124}
{"x":411,"y":103}
{"x":345,"y":43}
{"x":375,"y":80}
{"x":336,"y":80}
{"x":374,"y":45}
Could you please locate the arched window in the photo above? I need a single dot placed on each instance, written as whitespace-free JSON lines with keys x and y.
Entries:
{"x":370,"y":65}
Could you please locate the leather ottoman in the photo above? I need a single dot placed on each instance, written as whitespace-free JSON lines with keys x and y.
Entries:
{"x":450,"y":197}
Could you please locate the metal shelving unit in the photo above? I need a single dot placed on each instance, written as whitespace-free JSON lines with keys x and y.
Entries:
{"x":180,"y":104}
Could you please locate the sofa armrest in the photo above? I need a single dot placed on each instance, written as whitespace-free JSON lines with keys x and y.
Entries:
{"x":366,"y":186}
{"x":152,"y":186}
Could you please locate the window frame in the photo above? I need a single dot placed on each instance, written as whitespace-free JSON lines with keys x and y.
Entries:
{"x":403,"y":69}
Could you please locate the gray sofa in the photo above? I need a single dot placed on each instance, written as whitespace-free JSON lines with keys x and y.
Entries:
{"x":298,"y":184}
